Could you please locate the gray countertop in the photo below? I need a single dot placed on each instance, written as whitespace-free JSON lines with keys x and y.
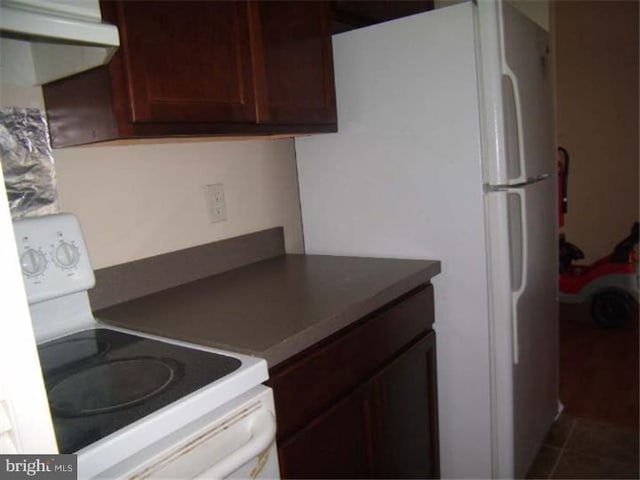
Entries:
{"x":274,"y":308}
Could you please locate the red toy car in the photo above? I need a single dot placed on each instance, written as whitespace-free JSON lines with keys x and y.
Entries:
{"x":611,"y":283}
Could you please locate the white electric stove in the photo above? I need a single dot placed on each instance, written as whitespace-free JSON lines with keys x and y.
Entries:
{"x":131,"y":404}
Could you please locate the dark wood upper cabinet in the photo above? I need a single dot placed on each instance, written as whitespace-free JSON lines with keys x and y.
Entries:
{"x":195,"y":68}
{"x":187,"y":61}
{"x":297,"y":62}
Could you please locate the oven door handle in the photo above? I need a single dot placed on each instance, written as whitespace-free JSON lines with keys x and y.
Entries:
{"x":263,"y":431}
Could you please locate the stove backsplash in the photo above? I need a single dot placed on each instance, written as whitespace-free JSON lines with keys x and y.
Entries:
{"x":27,"y":162}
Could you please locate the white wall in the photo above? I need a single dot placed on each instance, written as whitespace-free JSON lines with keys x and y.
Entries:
{"x":143,"y":199}
{"x":536,"y":10}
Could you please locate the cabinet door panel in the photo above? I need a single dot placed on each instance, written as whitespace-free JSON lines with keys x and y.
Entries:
{"x":407,"y":445}
{"x":306,"y":385}
{"x":337,"y":444}
{"x":296,"y":60}
{"x":193,"y":67}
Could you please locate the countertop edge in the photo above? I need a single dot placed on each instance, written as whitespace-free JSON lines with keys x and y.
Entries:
{"x":294,"y":345}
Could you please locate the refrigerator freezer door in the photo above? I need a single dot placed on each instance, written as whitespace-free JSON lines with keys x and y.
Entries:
{"x":533,"y":254}
{"x":527,"y":103}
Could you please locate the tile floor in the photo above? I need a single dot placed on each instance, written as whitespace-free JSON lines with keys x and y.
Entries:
{"x":579,"y":448}
{"x":597,"y":436}
{"x":599,"y":368}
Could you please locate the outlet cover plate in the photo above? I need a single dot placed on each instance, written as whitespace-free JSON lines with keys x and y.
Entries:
{"x":216,"y":206}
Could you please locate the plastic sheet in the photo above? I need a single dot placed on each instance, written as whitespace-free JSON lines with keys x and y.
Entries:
{"x":27,"y":162}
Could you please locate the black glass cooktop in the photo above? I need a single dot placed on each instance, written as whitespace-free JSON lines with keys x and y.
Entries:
{"x":99,"y":381}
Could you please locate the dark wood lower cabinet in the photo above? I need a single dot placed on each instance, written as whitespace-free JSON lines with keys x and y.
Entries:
{"x":384,"y":425}
{"x":334,"y":445}
{"x":405,"y":406}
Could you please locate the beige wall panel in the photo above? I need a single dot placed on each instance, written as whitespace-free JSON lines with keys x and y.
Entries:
{"x":136,"y":201}
{"x":597,"y":101}
{"x":144,"y":199}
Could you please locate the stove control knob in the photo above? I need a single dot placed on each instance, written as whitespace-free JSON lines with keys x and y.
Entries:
{"x":66,"y":255}
{"x":33,"y":262}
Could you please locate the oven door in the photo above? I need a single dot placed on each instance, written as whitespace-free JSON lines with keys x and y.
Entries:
{"x":235,"y":441}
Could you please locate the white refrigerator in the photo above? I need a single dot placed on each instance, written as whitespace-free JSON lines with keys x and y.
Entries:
{"x":445,"y":151}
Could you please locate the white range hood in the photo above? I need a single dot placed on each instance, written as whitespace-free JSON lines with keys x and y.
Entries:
{"x":44,"y":40}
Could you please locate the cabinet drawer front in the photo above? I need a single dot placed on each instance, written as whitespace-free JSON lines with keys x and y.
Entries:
{"x":309,"y":383}
{"x":187,"y":61}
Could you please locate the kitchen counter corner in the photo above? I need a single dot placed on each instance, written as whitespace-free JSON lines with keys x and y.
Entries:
{"x":274,"y":308}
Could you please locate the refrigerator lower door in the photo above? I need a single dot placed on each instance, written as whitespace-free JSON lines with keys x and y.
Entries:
{"x":530,"y":334}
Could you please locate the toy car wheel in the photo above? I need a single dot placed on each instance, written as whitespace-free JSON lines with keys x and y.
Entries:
{"x":610,"y":309}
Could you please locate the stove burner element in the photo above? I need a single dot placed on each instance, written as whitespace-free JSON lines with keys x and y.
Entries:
{"x":61,"y":353}
{"x":111,"y":386}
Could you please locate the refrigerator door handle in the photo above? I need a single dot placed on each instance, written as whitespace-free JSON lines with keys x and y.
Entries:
{"x":519,"y":251}
{"x":513,"y":127}
{"x":508,"y":186}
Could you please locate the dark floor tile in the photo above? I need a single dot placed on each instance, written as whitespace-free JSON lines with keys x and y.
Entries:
{"x":599,"y":368}
{"x":580,"y":466}
{"x":604,"y":440}
{"x":544,"y":462}
{"x":559,"y":431}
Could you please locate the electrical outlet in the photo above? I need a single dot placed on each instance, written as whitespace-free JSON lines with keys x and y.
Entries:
{"x":214,"y":196}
